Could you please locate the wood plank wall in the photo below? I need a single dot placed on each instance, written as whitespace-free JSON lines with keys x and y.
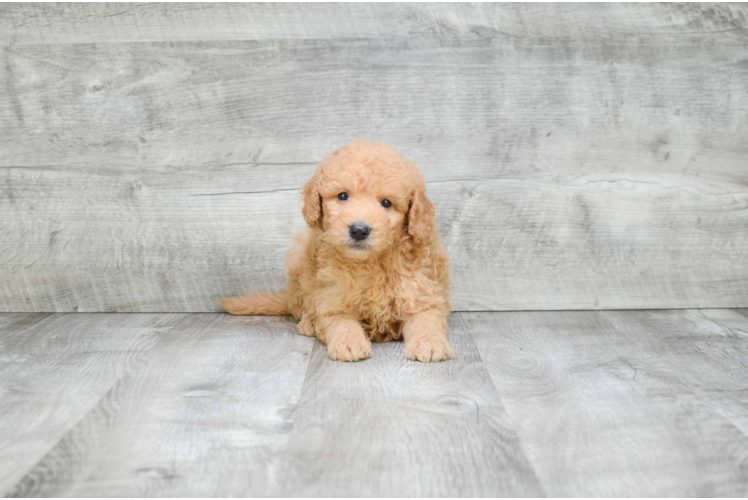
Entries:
{"x":580,"y":156}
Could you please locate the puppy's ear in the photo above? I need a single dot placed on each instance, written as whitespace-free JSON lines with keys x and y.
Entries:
{"x":312,"y":209}
{"x":421,"y":221}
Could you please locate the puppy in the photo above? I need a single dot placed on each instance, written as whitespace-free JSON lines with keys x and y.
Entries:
{"x":371,"y":267}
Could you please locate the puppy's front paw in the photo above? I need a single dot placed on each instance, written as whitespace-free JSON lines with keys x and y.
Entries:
{"x":306,"y":326}
{"x":349,"y":348}
{"x":428,"y":348}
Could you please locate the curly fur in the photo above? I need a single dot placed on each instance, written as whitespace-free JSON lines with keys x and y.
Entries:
{"x":395,"y":287}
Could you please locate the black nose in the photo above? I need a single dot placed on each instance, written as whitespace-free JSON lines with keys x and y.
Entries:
{"x":359,"y":232}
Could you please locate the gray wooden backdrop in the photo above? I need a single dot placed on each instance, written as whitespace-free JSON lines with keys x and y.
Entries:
{"x":579,"y":155}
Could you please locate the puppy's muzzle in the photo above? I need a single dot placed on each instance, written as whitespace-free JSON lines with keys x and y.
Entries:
{"x":358,"y":231}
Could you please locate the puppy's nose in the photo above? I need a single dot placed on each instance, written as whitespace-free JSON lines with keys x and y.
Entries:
{"x":358,"y":231}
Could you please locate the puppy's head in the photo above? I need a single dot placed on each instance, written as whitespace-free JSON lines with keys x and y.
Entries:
{"x":365,"y":197}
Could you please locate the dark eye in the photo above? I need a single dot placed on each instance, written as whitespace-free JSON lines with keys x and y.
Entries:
{"x":386,"y":203}
{"x":343,"y":196}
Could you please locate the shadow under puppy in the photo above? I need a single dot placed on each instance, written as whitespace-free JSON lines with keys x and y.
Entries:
{"x":371,"y":267}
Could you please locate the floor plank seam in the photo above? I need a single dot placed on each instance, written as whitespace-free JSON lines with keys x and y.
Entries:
{"x":17,"y":490}
{"x":742,"y":311}
{"x":729,"y":331}
{"x":12,"y":491}
{"x":498,"y":395}
{"x":703,"y":398}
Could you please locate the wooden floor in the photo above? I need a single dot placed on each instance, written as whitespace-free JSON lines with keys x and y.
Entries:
{"x":635,"y":403}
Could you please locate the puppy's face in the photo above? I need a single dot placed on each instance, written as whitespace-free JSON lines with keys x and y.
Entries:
{"x":365,"y":197}
{"x":363,"y":209}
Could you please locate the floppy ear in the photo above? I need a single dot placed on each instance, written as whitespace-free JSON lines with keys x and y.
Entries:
{"x":312,"y":209}
{"x":420,"y":217}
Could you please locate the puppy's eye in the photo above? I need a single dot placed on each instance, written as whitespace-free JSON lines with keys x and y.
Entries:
{"x":343,"y":196}
{"x":386,"y":203}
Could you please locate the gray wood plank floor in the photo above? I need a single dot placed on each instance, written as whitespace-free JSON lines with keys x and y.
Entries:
{"x":593,"y":403}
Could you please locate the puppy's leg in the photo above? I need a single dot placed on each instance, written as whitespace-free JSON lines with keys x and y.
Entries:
{"x":345,"y":339}
{"x":306,"y":325}
{"x":425,"y":336}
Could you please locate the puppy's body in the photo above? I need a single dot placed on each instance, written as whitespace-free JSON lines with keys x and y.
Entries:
{"x":371,"y":266}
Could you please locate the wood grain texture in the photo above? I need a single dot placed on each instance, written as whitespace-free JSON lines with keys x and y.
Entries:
{"x":706,"y":349}
{"x":579,"y":156}
{"x":98,"y":243}
{"x":116,"y":22}
{"x":475,"y":108}
{"x":54,"y":369}
{"x":388,"y":426}
{"x":624,"y":403}
{"x":600,"y":414}
{"x":210,"y":406}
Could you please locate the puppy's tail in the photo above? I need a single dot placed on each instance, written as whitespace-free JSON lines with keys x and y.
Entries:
{"x":258,"y":304}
